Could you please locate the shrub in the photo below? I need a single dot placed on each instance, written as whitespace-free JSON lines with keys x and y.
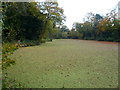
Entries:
{"x":7,"y":50}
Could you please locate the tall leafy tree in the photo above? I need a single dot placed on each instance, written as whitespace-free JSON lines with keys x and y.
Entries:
{"x":54,"y":15}
{"x":23,"y":23}
{"x":99,"y":27}
{"x":53,"y":11}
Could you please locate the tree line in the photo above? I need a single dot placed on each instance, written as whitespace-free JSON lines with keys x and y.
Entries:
{"x":39,"y":21}
{"x":94,"y":27}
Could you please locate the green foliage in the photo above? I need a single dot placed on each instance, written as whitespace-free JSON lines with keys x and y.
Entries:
{"x":9,"y":83}
{"x":61,"y":32}
{"x":53,"y":12}
{"x":34,"y":21}
{"x":97,"y":27}
{"x":54,"y":16}
{"x":7,"y":50}
{"x":22,"y":23}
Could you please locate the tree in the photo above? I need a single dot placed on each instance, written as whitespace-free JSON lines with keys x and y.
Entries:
{"x":98,"y":27}
{"x":109,"y":26}
{"x":62,"y":32}
{"x":53,"y":12}
{"x":25,"y":23}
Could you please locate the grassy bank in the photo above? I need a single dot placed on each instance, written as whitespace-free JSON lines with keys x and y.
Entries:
{"x":66,"y":63}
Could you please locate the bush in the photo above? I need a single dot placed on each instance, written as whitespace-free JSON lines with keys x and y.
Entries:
{"x":27,"y":43}
{"x":7,"y":50}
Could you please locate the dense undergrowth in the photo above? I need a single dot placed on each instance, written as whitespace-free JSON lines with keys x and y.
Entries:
{"x":7,"y":50}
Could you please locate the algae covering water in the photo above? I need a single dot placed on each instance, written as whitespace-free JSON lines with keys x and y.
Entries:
{"x":65,"y":64}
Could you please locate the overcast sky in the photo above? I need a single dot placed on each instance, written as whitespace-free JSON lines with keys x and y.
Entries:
{"x":75,"y":10}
